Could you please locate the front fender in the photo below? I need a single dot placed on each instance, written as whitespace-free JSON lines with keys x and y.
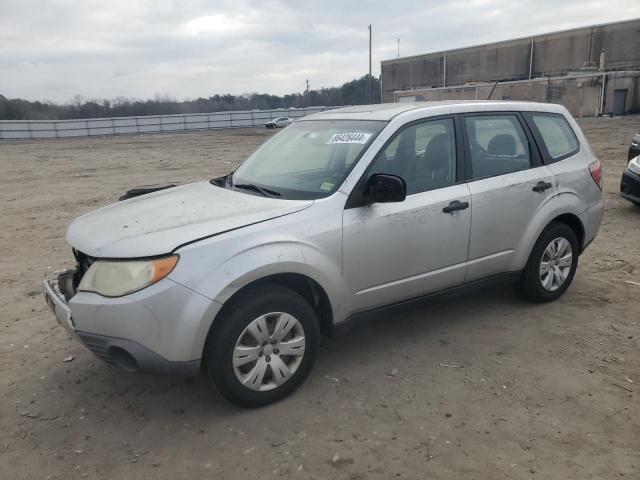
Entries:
{"x":274,"y":258}
{"x":220,"y":281}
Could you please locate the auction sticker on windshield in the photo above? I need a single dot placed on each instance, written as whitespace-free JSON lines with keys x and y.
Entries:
{"x":349,"y":138}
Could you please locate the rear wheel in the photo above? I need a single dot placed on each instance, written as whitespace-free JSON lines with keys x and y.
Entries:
{"x":265,"y":346}
{"x":551,"y":265}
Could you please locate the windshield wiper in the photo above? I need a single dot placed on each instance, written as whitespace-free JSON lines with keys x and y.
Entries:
{"x":266,"y":192}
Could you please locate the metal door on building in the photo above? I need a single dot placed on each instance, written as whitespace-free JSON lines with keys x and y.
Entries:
{"x":619,"y":101}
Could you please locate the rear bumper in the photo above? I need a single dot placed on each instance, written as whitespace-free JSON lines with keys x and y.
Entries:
{"x":591,"y":219}
{"x":630,"y":186}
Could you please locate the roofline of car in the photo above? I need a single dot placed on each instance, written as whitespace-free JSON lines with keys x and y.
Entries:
{"x":508,"y":106}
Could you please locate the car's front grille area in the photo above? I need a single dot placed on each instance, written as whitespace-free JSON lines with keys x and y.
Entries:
{"x":97,"y":345}
{"x":84,"y":262}
{"x":66,"y":282}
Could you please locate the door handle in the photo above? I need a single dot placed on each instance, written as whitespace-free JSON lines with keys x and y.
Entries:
{"x":455,"y":206}
{"x":541,"y":186}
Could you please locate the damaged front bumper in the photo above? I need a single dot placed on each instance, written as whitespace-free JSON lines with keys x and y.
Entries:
{"x":55,"y":298}
{"x":137,"y":331}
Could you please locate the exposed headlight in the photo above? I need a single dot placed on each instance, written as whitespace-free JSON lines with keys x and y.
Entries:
{"x":114,"y":278}
{"x":634,"y":165}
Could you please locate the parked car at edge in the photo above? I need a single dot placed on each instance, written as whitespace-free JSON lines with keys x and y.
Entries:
{"x":630,"y":183}
{"x":342,"y":213}
{"x":278,"y":122}
{"x":634,"y":148}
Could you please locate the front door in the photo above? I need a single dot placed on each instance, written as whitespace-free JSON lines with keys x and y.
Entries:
{"x":397,"y":251}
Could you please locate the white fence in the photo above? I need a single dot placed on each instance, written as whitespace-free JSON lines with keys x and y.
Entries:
{"x":28,"y":129}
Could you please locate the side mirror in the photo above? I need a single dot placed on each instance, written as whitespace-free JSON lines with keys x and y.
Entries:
{"x":385,"y":188}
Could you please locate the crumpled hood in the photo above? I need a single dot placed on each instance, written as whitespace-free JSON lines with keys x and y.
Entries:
{"x":157,"y":223}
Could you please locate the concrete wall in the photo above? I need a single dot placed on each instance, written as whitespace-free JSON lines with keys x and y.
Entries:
{"x":553,"y":54}
{"x":617,"y":81}
{"x":581,"y":95}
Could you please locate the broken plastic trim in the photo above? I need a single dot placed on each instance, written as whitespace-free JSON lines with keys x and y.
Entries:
{"x":137,"y":191}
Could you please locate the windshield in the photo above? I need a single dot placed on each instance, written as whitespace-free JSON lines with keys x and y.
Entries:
{"x":308,"y":159}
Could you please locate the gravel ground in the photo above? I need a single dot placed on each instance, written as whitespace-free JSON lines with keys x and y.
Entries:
{"x":542,"y":391}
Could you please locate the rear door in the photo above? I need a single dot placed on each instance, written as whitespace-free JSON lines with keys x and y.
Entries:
{"x":508,"y":184}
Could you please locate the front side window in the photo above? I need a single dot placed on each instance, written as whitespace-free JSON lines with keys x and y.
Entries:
{"x":556,"y":134}
{"x":497,"y":144}
{"x":423,"y":154}
{"x":308,"y":159}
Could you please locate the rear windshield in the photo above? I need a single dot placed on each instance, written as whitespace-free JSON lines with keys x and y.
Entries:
{"x":557,"y":135}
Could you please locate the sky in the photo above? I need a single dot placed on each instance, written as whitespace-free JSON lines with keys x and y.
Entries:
{"x":58,"y":49}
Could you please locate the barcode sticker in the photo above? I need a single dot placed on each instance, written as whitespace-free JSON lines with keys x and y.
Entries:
{"x":361,"y":138}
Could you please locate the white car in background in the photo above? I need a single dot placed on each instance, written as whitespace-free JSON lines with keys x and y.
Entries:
{"x":279,"y":122}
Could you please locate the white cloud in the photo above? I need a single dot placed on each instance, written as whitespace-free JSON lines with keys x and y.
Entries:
{"x":214,"y":25}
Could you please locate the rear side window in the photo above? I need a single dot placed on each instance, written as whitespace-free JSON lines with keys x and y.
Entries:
{"x":497,"y":144}
{"x":557,"y":135}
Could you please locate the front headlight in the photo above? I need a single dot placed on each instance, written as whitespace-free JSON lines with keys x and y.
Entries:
{"x":114,"y":278}
{"x":634,"y":165}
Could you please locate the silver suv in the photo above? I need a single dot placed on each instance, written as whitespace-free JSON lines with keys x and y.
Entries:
{"x":341,"y":213}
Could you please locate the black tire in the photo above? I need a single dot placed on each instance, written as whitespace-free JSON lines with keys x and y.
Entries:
{"x":246,"y":307}
{"x":530,"y":285}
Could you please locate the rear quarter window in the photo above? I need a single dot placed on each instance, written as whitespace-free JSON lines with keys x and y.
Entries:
{"x":556,"y":134}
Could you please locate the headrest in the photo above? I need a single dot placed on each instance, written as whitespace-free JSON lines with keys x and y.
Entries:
{"x":503,"y":144}
{"x":438,"y":151}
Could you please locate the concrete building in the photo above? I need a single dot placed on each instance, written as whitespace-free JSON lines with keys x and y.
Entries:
{"x":591,"y":70}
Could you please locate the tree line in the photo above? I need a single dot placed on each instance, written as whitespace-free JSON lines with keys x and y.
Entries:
{"x":354,"y":92}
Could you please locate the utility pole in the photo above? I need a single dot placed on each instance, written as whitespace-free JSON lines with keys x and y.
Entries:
{"x":369,"y":83}
{"x":398,"y":48}
{"x":308,"y":95}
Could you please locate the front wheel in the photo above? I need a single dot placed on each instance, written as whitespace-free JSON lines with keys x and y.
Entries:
{"x":265,"y":346}
{"x":551,"y":265}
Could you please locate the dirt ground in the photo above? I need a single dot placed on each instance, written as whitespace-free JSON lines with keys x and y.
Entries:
{"x":543,"y":391}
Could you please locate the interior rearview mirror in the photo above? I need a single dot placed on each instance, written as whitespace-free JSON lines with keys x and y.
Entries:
{"x":385,"y":188}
